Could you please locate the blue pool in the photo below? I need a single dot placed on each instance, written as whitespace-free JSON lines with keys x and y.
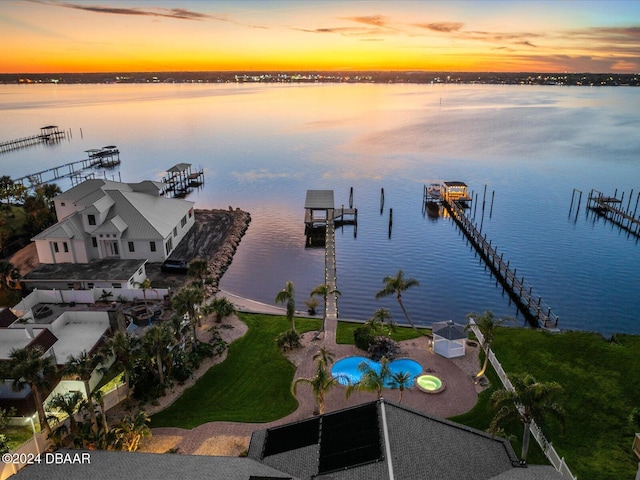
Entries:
{"x":347,"y":371}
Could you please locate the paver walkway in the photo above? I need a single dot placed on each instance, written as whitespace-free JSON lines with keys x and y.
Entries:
{"x":458,"y":397}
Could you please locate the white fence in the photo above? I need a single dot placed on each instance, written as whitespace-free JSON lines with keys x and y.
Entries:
{"x":556,"y":460}
{"x":89,"y":296}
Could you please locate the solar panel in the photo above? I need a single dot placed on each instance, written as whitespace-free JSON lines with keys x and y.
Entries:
{"x":349,"y":438}
{"x":291,"y":437}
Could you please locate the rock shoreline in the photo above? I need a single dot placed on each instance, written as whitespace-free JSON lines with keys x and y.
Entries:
{"x":220,"y":258}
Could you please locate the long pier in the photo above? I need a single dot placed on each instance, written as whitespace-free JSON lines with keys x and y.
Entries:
{"x":106,"y":157}
{"x":531,"y":305}
{"x":48,"y":134}
{"x":612,"y":209}
{"x":330,"y":274}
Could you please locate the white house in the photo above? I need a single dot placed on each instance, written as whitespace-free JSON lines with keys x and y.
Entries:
{"x":102,"y":219}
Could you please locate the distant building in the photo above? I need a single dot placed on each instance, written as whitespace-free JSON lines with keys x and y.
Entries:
{"x":101,"y":219}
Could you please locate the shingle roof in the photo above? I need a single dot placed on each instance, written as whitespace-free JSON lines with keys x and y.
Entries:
{"x":109,"y":465}
{"x":415,"y":445}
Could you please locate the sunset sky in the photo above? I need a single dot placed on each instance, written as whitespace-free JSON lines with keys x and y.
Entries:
{"x":55,"y":36}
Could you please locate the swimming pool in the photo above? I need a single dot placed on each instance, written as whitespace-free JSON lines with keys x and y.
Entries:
{"x":347,"y":371}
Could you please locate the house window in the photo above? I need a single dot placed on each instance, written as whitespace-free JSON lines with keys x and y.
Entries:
{"x":175,"y":232}
{"x":62,"y":204}
{"x":94,"y":242}
{"x":183,"y":222}
{"x":116,"y":285}
{"x":91,"y":219}
{"x":169,"y":246}
{"x":152,"y":246}
{"x":131,"y":248}
{"x":70,"y":286}
{"x":55,"y":247}
{"x":190,"y":213}
{"x":140,"y":272}
{"x":65,"y":247}
{"x":90,"y":285}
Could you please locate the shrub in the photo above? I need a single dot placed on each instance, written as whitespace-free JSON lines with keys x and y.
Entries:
{"x":363,"y":337}
{"x":288,"y":340}
{"x":383,"y":347}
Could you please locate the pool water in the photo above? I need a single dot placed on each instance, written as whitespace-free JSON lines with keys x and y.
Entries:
{"x":347,"y":371}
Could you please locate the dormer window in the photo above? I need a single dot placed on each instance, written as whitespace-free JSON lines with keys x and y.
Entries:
{"x":91,"y":219}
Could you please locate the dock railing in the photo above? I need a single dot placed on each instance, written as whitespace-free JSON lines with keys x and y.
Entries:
{"x":550,"y":452}
{"x":534,"y":304}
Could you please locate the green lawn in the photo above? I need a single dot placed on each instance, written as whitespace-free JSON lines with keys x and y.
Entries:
{"x":601,"y":380}
{"x":602,"y":385}
{"x":252,"y":385}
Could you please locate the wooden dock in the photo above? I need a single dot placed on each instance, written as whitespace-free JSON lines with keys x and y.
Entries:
{"x":330,"y":273}
{"x":613,"y":210}
{"x":180,"y":180}
{"x":106,"y":157}
{"x":531,"y":305}
{"x":48,"y":134}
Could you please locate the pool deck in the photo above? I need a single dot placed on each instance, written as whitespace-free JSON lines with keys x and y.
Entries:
{"x":459,"y":396}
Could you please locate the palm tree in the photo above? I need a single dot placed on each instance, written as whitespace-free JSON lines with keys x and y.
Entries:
{"x":68,"y":404}
{"x":130,"y":431}
{"x":82,"y":367}
{"x":381,"y":319}
{"x":372,"y":380}
{"x":401,"y":381}
{"x":124,"y":347}
{"x":198,"y":268}
{"x":144,"y":286}
{"x":396,"y":285}
{"x":487,"y":326}
{"x":321,"y":382}
{"x":324,"y":290}
{"x":9,"y":275}
{"x":222,"y":307}
{"x":29,"y":366}
{"x":157,"y":341}
{"x":99,"y":397}
{"x":286,"y":296}
{"x":185,"y":302}
{"x":529,"y":400}
{"x":325,"y":356}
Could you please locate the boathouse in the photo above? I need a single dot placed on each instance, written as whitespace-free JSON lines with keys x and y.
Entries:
{"x":456,"y":191}
{"x":318,"y":201}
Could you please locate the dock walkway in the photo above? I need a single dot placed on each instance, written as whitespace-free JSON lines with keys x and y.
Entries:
{"x":531,"y":305}
{"x":49,"y":134}
{"x":611,"y":208}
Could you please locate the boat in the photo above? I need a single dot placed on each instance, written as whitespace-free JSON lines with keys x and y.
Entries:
{"x":434,"y":191}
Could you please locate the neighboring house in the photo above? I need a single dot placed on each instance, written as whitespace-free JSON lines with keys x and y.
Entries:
{"x":60,"y":332}
{"x":374,"y":441}
{"x":102,"y":219}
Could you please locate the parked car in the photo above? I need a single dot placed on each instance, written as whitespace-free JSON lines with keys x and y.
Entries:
{"x":175,"y":266}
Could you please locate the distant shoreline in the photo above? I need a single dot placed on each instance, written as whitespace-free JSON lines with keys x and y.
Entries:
{"x":302,"y":77}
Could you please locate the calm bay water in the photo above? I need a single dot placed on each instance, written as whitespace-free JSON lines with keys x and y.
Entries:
{"x":262,"y":147}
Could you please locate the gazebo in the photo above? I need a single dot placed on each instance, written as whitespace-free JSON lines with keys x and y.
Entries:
{"x":449,"y":339}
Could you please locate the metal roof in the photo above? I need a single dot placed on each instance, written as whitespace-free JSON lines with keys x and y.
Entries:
{"x":319,"y":200}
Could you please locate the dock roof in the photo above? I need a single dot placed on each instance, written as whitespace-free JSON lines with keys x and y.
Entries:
{"x":319,"y":200}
